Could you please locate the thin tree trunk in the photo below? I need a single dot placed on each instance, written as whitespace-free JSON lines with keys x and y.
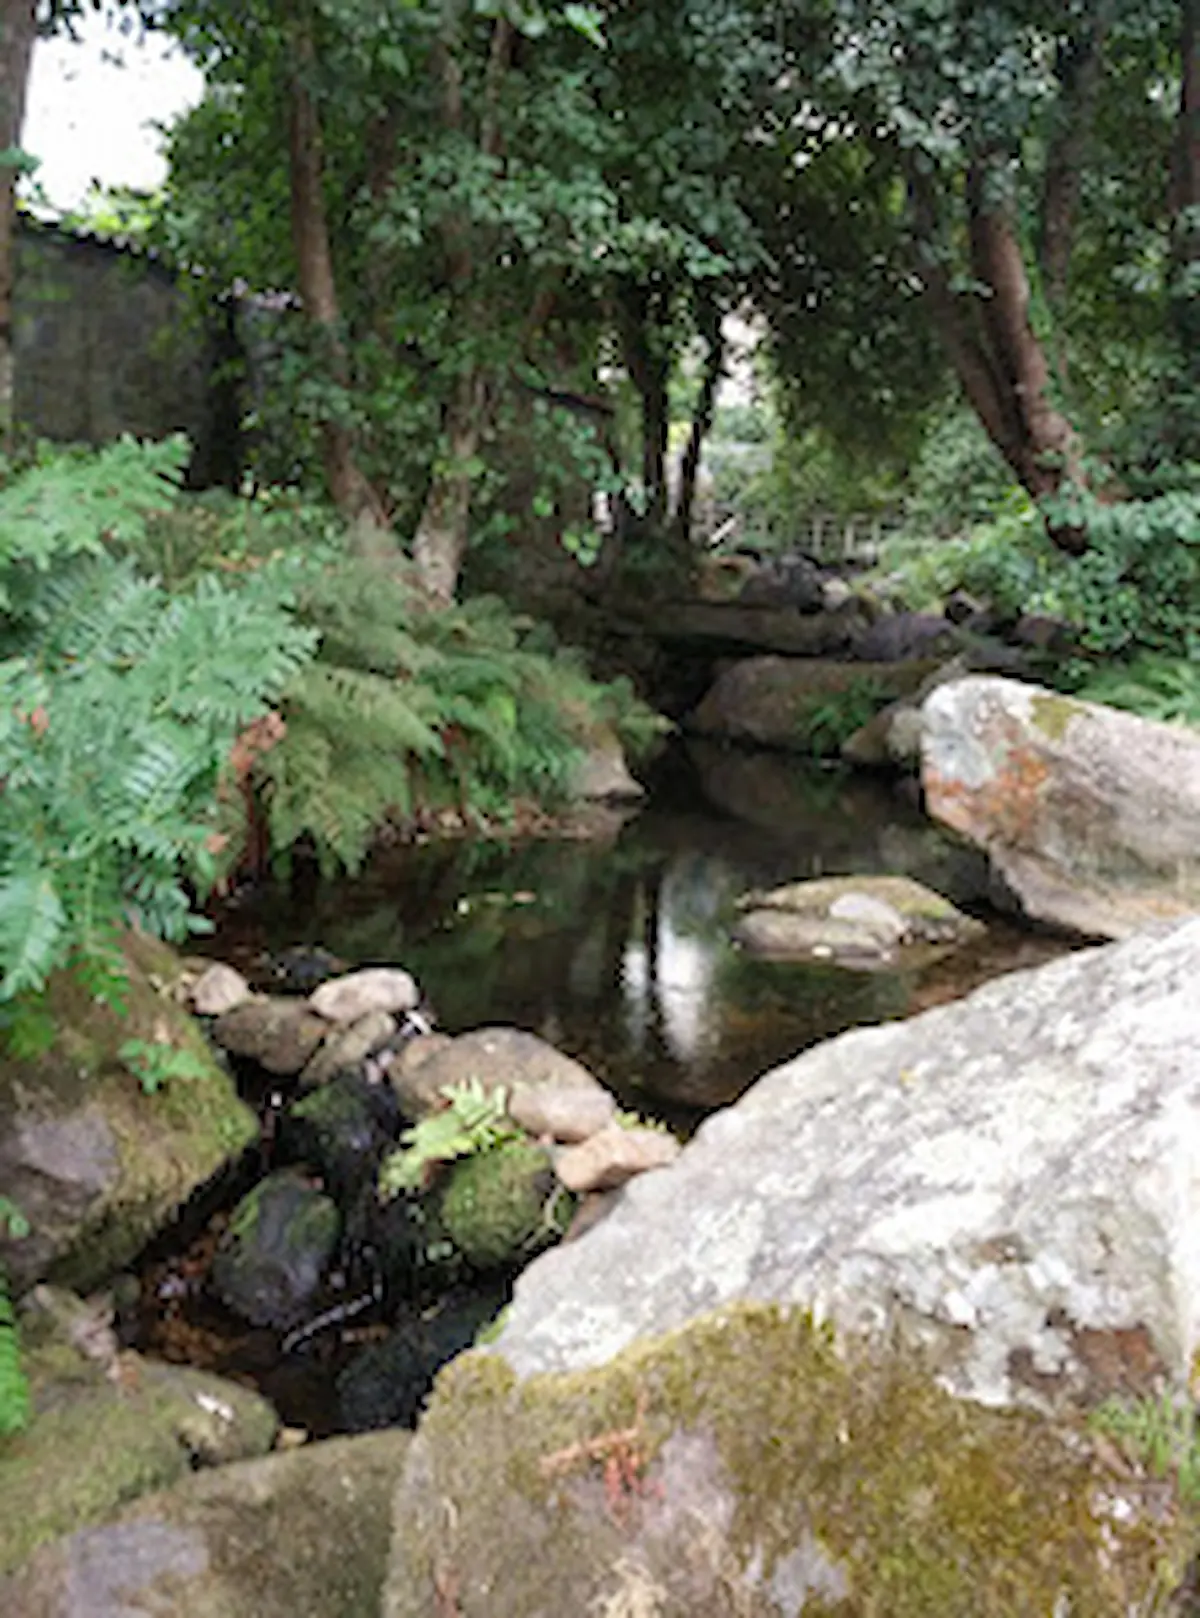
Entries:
{"x":18,"y":29}
{"x":1186,"y":209}
{"x":443,"y":531}
{"x":1080,"y":73}
{"x":349,"y":488}
{"x":702,"y":418}
{"x":999,"y":359}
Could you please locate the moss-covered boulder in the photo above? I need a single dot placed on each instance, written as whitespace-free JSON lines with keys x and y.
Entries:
{"x":502,"y":1205}
{"x":108,"y":1427}
{"x":95,"y":1164}
{"x":746,"y":1465}
{"x":297,"y":1535}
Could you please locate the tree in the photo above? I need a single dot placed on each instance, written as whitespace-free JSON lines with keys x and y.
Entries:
{"x":18,"y":29}
{"x":987,"y":130}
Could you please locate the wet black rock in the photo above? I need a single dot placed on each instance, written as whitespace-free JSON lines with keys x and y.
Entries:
{"x":273,"y":1256}
{"x":387,"y":1384}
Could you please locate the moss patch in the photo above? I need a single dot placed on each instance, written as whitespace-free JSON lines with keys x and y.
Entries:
{"x":500,"y":1204}
{"x":1052,"y":714}
{"x":99,"y":1440}
{"x":847,"y":1475}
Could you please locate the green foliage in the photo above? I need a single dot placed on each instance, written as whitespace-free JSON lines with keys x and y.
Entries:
{"x":70,"y":503}
{"x":119,"y":704}
{"x":472,"y":1121}
{"x":407,"y":711}
{"x":155,"y":1064}
{"x":837,"y":716}
{"x":1161,"y":1435}
{"x":14,"y":1389}
{"x":1164,"y":688}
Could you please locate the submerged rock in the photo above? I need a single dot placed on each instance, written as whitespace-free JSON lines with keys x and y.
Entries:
{"x":96,"y":1165}
{"x":834,"y":1358}
{"x":299,"y":1535}
{"x":272,"y":1257}
{"x":856,"y":921}
{"x":1088,"y":815}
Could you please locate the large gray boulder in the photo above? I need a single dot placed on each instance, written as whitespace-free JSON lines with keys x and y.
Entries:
{"x":1088,"y":815}
{"x":834,"y":1358}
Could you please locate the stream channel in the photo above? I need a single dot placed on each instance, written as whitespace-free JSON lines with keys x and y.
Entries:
{"x":616,"y":950}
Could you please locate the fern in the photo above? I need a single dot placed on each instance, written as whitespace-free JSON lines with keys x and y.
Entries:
{"x":119,"y":705}
{"x":473,"y":1121}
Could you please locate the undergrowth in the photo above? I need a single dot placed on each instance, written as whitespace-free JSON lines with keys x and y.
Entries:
{"x":14,"y":1389}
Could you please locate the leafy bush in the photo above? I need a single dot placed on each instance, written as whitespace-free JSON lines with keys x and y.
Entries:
{"x":119,"y":706}
{"x":1135,"y":589}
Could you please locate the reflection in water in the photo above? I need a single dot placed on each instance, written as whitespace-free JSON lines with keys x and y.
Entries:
{"x":618,"y":952}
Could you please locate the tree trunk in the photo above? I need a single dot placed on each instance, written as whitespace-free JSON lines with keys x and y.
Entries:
{"x":18,"y":29}
{"x":440,"y":542}
{"x":640,"y":319}
{"x":443,"y":532}
{"x":702,"y":417}
{"x":1185,"y":208}
{"x":999,"y":359}
{"x":349,"y":488}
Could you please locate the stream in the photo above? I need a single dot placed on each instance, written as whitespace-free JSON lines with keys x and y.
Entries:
{"x":616,"y":950}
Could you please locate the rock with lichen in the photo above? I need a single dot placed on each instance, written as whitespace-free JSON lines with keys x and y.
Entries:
{"x":1087,"y":815}
{"x":841,"y":1357}
{"x":854,"y":921}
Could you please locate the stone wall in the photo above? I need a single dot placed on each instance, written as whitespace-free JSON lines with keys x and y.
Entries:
{"x":105,"y":344}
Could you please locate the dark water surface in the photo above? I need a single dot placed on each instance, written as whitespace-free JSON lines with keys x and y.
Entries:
{"x":617,"y":950}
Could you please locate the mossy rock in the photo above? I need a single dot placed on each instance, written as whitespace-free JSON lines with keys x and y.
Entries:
{"x":281,"y":1237}
{"x":302,"y":1534}
{"x":500,"y":1206}
{"x":106,"y":1431}
{"x":746,"y":1464}
{"x":96,"y":1165}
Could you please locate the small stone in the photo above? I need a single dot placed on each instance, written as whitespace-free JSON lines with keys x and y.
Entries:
{"x":883,"y":921}
{"x":376,"y":988}
{"x":568,"y":1113}
{"x":218,"y":989}
{"x":614,"y":1156}
{"x":347,"y":1047}
{"x":278,"y":1034}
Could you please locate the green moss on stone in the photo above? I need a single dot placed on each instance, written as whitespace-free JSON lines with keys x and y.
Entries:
{"x":914,"y":1503}
{"x":1052,"y":714}
{"x":99,"y":1441}
{"x":500,"y":1204}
